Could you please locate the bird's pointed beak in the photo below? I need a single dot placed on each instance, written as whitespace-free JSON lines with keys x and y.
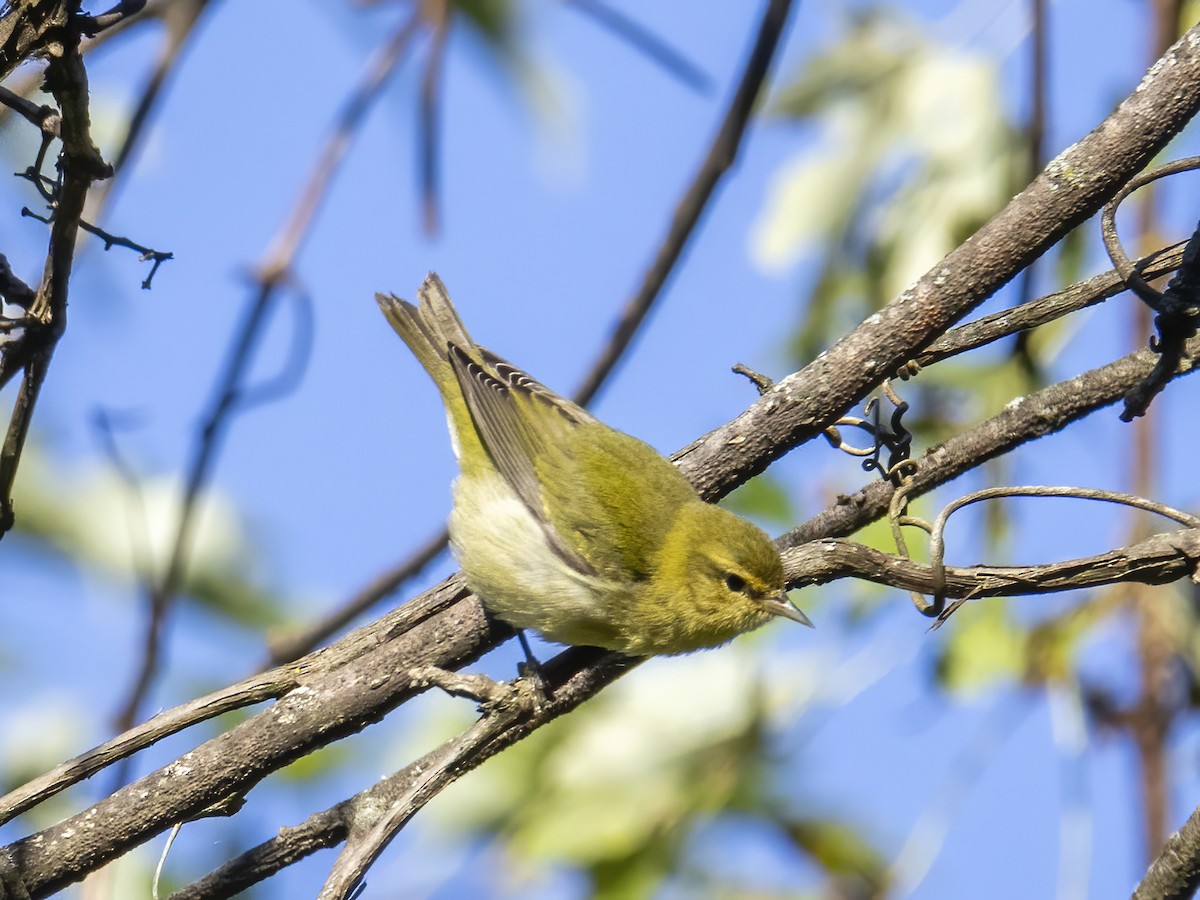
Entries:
{"x":781,"y":606}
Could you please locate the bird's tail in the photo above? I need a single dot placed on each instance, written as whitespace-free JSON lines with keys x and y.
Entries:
{"x":428,"y":328}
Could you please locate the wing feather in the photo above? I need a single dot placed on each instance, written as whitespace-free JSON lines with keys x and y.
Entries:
{"x":498,"y":400}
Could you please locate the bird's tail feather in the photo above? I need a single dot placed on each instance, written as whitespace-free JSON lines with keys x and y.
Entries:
{"x":428,"y":328}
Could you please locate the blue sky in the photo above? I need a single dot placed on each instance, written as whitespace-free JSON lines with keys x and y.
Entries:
{"x":548,"y":226}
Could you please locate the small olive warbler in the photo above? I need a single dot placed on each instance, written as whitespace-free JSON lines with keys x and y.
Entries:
{"x":571,"y":528}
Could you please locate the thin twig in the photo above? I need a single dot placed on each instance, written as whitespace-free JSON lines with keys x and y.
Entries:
{"x":80,"y":164}
{"x":1112,"y":241}
{"x":440,"y":16}
{"x":48,"y":189}
{"x":937,"y":533}
{"x":1044,"y":310}
{"x":1178,"y":307}
{"x":720,"y":158}
{"x":158,"y":257}
{"x":289,"y":646}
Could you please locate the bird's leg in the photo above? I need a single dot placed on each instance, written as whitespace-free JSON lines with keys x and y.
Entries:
{"x":531,"y":668}
{"x":531,"y":664}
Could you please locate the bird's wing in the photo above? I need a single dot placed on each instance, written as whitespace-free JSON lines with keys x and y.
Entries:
{"x":517,"y":418}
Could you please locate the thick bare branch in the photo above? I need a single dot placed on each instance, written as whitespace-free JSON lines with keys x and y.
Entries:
{"x":31,"y":28}
{"x":1175,"y":873}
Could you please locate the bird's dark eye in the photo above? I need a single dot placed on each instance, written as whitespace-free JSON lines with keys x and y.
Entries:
{"x":735,"y":583}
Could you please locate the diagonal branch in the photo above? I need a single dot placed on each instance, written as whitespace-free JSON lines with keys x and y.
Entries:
{"x":1070,"y":189}
{"x":1175,"y":873}
{"x":1043,"y":310}
{"x":1036,"y":415}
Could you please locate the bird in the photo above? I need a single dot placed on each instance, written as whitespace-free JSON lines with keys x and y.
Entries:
{"x":576,"y":530}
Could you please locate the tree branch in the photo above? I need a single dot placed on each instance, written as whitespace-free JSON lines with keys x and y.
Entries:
{"x":1159,"y":559}
{"x":80,"y":164}
{"x":1175,"y":873}
{"x":1044,"y":310}
{"x":1070,"y":189}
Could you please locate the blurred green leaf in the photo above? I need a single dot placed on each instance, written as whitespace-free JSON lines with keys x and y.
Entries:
{"x":89,"y":516}
{"x":841,"y":850}
{"x":763,"y":498}
{"x":316,"y":765}
{"x":617,"y":788}
{"x":915,"y":153}
{"x":492,"y":20}
{"x":983,"y":648}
